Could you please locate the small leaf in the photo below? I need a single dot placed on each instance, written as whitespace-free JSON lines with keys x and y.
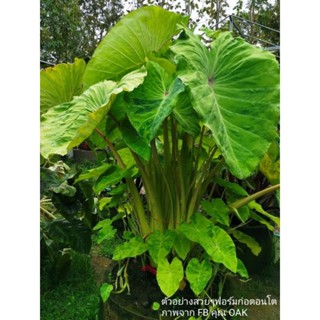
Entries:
{"x":93,"y":173}
{"x":106,"y":230}
{"x":65,"y":189}
{"x":160,"y":244}
{"x":198,"y":274}
{"x":242,"y":270}
{"x":104,"y":201}
{"x":234,"y":187}
{"x":218,"y":210}
{"x":248,"y":241}
{"x":112,"y":176}
{"x":214,"y":240}
{"x":169,"y":276}
{"x":105,"y":291}
{"x":181,"y":245}
{"x":256,"y":206}
{"x":156,"y":306}
{"x":131,"y":249}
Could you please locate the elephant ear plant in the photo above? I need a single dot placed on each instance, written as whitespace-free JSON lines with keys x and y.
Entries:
{"x":179,"y":115}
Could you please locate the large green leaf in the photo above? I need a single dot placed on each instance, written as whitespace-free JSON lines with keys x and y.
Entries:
{"x":131,"y":41}
{"x":198,"y":274}
{"x":169,"y":276}
{"x":214,"y":240}
{"x":160,"y":244}
{"x":60,"y":83}
{"x":67,"y":125}
{"x":235,"y":89}
{"x":153,"y":101}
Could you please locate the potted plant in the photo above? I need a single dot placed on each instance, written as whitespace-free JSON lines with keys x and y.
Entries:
{"x":186,"y":119}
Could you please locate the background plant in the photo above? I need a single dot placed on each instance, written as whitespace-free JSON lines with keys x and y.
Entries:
{"x":180,"y":115}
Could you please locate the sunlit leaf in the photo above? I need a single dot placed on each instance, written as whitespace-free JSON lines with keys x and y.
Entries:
{"x":60,"y":83}
{"x":129,"y":43}
{"x":169,"y":276}
{"x":198,"y":274}
{"x":67,"y":125}
{"x":235,"y":89}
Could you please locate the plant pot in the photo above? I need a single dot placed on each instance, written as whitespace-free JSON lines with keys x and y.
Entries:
{"x":137,"y":305}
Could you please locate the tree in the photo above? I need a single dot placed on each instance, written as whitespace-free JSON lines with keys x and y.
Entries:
{"x":98,"y":17}
{"x":73,"y":28}
{"x":60,"y":25}
{"x":264,"y":13}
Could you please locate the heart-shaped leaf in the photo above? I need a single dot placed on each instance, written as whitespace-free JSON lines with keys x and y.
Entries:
{"x":169,"y":276}
{"x":198,"y":274}
{"x":235,"y":89}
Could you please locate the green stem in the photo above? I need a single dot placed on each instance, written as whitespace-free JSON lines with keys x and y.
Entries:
{"x":137,"y":202}
{"x":239,"y":203}
{"x":202,"y":183}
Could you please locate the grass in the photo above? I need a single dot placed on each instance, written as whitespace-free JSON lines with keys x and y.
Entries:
{"x":74,"y":297}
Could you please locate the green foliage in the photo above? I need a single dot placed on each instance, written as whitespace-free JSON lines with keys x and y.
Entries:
{"x":75,"y":296}
{"x":105,"y":291}
{"x":180,"y":117}
{"x":74,"y":28}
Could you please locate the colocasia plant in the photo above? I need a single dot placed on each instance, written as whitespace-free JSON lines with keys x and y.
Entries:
{"x":181,"y":116}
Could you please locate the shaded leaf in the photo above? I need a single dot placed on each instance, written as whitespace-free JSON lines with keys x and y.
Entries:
{"x":231,"y":186}
{"x":94,"y":173}
{"x":248,"y":241}
{"x":75,"y":234}
{"x":106,"y":230}
{"x":134,"y":141}
{"x":242,"y":270}
{"x":256,"y":206}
